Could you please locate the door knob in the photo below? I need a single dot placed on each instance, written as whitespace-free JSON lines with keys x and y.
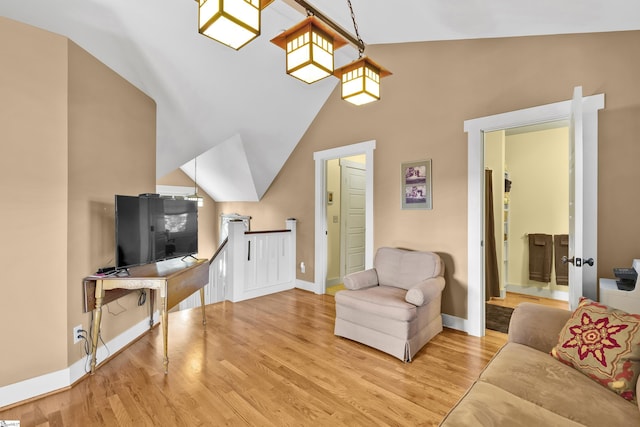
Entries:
{"x":589,"y":261}
{"x":565,"y":260}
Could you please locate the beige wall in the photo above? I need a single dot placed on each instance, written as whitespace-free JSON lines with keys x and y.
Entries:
{"x":111,"y":134}
{"x":33,"y":184}
{"x":538,"y":163}
{"x":73,"y":134}
{"x":435,"y":87}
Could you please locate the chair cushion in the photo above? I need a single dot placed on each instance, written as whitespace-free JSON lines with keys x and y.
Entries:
{"x":384,"y":301}
{"x":604,"y":344}
{"x":403,"y":269}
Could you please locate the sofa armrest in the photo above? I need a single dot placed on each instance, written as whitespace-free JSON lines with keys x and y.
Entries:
{"x":537,"y":326}
{"x":425,"y":291}
{"x":361,"y":279}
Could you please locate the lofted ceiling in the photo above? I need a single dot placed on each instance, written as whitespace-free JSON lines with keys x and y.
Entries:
{"x":237,"y":112}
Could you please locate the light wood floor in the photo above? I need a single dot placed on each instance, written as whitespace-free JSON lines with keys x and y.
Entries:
{"x":268,"y":361}
{"x":512,"y":299}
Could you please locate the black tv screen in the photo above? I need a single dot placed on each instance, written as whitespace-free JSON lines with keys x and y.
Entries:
{"x":151,"y":229}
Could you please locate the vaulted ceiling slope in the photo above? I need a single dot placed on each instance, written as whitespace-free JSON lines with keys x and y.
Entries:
{"x":237,"y":111}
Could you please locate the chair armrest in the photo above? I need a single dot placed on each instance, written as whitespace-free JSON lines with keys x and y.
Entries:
{"x":537,"y":326}
{"x":361,"y":279}
{"x":425,"y":291}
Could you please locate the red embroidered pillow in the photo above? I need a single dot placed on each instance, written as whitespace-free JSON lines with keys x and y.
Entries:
{"x":604,"y":344}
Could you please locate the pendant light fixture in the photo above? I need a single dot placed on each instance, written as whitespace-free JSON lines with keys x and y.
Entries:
{"x":231,"y":22}
{"x":360,"y":80}
{"x":309,"y":46}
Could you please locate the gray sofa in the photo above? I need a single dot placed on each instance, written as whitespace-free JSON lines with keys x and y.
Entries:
{"x":394,"y":307}
{"x":524,"y":386}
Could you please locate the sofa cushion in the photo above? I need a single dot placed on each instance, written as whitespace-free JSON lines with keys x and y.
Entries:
{"x":487,"y":405}
{"x":536,"y":377}
{"x":604,"y":344}
{"x":403,"y":269}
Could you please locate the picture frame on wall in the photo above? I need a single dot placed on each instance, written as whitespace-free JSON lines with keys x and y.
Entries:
{"x":416,"y":185}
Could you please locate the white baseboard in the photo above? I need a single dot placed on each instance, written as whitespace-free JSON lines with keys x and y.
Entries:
{"x":539,"y":292}
{"x":260,"y":292}
{"x":308,"y":286}
{"x":333,"y":282}
{"x":454,"y":322}
{"x":47,"y":383}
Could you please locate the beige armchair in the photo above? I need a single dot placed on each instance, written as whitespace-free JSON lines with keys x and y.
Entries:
{"x":394,"y":307}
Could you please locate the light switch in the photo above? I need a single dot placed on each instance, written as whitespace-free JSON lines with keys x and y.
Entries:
{"x":335,"y":219}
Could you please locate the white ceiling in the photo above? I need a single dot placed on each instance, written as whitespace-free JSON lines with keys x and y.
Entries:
{"x":237,"y":111}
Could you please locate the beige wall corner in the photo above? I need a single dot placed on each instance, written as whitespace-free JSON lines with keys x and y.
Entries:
{"x":75,"y":134}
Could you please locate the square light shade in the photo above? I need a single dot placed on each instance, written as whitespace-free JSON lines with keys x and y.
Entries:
{"x":309,"y":46}
{"x":360,"y":81}
{"x":231,"y":22}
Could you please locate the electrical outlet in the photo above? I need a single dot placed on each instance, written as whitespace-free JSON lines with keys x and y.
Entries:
{"x":76,"y":333}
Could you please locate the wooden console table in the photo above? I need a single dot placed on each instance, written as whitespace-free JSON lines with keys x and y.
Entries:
{"x":175,"y":279}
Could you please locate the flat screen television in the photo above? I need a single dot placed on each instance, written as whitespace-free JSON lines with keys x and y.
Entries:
{"x":151,"y":229}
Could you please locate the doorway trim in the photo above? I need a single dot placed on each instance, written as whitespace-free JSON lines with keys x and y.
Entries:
{"x":320,"y":158}
{"x":475,"y":129}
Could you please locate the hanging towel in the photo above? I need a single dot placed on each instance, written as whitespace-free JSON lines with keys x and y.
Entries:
{"x":540,"y":250}
{"x":561,"y":248}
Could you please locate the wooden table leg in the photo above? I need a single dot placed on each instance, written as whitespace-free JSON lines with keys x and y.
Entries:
{"x":165,"y":333}
{"x":97,"y":317}
{"x":204,"y":318}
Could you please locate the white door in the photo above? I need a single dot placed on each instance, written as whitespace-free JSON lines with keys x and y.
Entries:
{"x":583,"y":205}
{"x":352,"y":226}
{"x":576,"y":153}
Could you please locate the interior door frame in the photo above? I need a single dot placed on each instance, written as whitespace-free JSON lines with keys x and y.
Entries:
{"x":320,"y":158}
{"x":475,"y":129}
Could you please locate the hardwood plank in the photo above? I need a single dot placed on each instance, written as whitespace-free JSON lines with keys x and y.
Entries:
{"x":267,"y":361}
{"x":512,"y":299}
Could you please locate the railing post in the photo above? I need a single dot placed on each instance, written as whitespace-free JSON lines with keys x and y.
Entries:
{"x":235,"y":260}
{"x":291,"y":225}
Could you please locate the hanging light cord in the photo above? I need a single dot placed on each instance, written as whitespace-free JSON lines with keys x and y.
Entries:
{"x":355,"y":27}
{"x":195,"y":176}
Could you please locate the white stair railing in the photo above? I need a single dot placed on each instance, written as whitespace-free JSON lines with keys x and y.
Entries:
{"x":250,"y":264}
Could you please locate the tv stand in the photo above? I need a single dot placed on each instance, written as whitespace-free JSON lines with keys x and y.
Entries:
{"x":175,"y":280}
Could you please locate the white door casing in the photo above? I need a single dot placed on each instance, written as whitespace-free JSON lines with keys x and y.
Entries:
{"x":475,"y":128}
{"x":320,"y":248}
